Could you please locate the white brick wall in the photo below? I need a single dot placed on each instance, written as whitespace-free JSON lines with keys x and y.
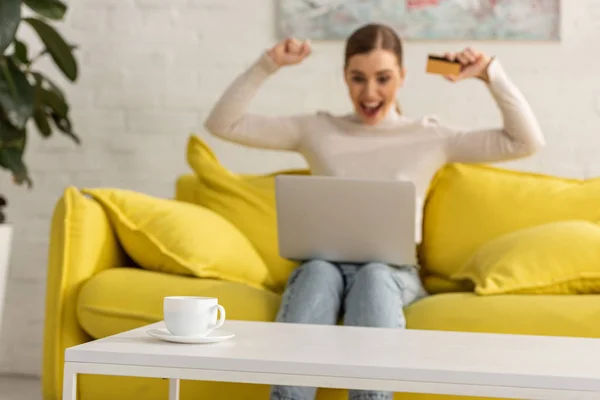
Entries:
{"x":150,"y":70}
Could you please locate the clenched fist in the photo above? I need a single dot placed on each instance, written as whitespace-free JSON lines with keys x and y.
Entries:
{"x":290,"y":51}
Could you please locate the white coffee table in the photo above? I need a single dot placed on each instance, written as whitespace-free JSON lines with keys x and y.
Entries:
{"x":491,"y":365}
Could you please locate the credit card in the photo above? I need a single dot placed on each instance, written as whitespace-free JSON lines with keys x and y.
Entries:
{"x":442,"y":66}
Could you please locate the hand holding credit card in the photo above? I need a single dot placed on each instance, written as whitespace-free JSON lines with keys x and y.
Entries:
{"x":468,"y":63}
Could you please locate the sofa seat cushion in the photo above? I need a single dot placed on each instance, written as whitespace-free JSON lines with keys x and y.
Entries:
{"x":120,"y":299}
{"x":551,"y":315}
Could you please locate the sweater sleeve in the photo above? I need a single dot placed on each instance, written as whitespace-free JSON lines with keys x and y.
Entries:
{"x":229,"y":119}
{"x":520,"y":136}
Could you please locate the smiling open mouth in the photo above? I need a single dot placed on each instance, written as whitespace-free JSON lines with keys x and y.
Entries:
{"x":371,"y":109}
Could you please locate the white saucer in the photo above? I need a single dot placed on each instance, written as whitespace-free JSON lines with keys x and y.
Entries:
{"x":213,"y":337}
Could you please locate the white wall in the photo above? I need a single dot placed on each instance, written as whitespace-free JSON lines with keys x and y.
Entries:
{"x":150,"y":70}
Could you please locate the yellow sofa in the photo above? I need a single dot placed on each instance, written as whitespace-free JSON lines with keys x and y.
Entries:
{"x":94,"y":288}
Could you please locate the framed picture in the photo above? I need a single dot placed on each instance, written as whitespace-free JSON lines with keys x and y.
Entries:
{"x":424,"y":19}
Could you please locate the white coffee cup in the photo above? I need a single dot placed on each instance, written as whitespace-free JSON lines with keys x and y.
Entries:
{"x":192,"y":316}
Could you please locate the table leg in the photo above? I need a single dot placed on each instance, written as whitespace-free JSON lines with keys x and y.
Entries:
{"x":69,"y":383}
{"x":173,"y":389}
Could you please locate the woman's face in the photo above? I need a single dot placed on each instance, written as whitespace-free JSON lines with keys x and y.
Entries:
{"x":373,"y":79}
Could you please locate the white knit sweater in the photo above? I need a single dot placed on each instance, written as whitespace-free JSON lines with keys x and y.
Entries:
{"x":397,"y":148}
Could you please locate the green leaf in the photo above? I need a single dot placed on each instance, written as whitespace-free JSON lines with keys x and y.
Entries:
{"x":12,"y":147}
{"x":41,"y":111}
{"x":13,"y":159}
{"x":47,"y":104}
{"x":52,"y":9}
{"x":53,"y":101}
{"x":45,"y":51}
{"x":16,"y":94}
{"x":10,"y":16}
{"x":41,"y":121}
{"x":39,"y":77}
{"x":59,"y":50}
{"x":7,"y":76}
{"x":65,"y":126}
{"x":9,"y":134}
{"x":21,"y":51}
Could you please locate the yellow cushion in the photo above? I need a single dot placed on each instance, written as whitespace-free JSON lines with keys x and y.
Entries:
{"x":108,"y":303}
{"x":187,"y":188}
{"x":523,"y":314}
{"x":248,"y":201}
{"x":556,"y":258}
{"x":469,"y":205}
{"x":181,"y":238}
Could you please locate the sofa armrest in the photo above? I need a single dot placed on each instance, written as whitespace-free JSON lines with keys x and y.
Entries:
{"x":82,"y":243}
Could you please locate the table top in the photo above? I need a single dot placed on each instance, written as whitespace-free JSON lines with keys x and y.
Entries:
{"x":566,"y":363}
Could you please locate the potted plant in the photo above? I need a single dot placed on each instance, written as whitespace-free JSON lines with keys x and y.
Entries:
{"x":28,"y":96}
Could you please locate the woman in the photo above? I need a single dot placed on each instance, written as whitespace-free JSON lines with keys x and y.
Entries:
{"x":375,"y":141}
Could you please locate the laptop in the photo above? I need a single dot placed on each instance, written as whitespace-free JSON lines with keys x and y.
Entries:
{"x":346,"y":220}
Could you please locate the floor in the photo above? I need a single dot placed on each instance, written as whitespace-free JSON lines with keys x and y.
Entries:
{"x":19,"y":388}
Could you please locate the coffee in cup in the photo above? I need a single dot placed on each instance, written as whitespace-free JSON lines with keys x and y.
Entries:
{"x":192,"y":316}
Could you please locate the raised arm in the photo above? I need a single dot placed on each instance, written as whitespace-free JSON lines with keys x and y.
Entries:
{"x":520,"y":135}
{"x":229,"y":118}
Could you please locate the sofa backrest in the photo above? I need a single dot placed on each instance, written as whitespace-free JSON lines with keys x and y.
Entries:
{"x":468,"y":205}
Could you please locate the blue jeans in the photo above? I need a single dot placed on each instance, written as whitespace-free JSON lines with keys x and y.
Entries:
{"x":371,"y":295}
